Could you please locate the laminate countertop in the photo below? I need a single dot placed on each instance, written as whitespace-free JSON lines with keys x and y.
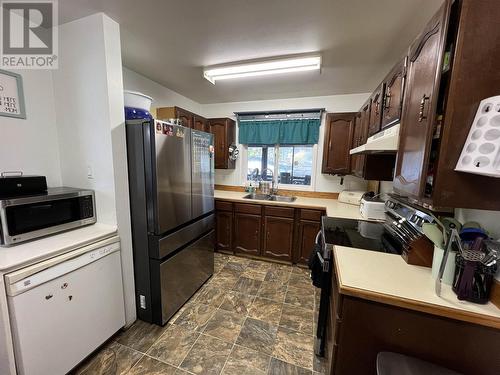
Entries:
{"x":388,"y":279}
{"x":44,"y":248}
{"x":333,"y":207}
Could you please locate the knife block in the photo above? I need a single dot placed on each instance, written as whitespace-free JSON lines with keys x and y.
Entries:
{"x":419,"y":252}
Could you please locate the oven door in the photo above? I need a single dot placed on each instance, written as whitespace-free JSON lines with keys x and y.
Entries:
{"x":28,"y":220}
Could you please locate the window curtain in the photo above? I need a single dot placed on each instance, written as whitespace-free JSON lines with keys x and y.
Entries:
{"x":289,"y":132}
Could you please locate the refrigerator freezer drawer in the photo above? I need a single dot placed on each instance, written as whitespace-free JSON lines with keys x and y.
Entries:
{"x":57,"y":324}
{"x":184,"y":273}
{"x":159,"y":249}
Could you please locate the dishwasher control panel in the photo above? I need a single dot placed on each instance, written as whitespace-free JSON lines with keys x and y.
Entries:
{"x":55,"y":269}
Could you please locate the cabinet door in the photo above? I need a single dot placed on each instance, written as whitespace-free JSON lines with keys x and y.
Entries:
{"x":376,"y":111}
{"x":307,"y":234}
{"x":224,"y":223}
{"x":200,"y":123}
{"x":394,"y":93}
{"x":419,"y":110}
{"x":361,"y":135}
{"x":186,"y":117}
{"x":247,"y":230}
{"x":224,"y":131}
{"x":278,"y":237}
{"x":218,"y":129}
{"x":338,"y":140}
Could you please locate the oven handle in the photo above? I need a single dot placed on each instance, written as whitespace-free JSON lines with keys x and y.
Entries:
{"x":316,"y":241}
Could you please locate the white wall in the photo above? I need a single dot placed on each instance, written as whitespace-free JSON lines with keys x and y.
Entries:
{"x":30,"y":145}
{"x":83,"y":114}
{"x":333,"y":103}
{"x":88,"y":90}
{"x":162,"y":96}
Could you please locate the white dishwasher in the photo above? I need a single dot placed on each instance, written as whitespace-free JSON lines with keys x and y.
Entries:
{"x":65,"y":307}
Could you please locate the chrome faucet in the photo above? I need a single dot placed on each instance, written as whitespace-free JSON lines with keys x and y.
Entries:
{"x":274,"y":190}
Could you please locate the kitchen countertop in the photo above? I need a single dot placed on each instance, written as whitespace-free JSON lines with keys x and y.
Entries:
{"x":48,"y":247}
{"x":387,"y":278}
{"x":333,"y":207}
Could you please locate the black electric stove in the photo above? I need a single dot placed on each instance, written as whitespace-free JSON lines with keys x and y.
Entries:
{"x":361,"y":234}
{"x":403,"y":224}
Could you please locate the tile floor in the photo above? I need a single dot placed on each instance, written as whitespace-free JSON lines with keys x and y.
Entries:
{"x":251,"y":317}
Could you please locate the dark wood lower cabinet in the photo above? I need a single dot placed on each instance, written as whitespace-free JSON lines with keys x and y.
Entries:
{"x":224,"y":233}
{"x":278,"y":237}
{"x":358,"y":329}
{"x":247,"y":232}
{"x":307,"y":234}
{"x":276,"y":232}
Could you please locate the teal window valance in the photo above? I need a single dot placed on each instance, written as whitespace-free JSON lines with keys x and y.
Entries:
{"x":289,"y":132}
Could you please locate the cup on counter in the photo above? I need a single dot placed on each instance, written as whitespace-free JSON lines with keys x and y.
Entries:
{"x":449,"y":270}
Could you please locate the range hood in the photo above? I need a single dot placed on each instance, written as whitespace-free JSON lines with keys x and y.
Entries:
{"x":385,"y":141}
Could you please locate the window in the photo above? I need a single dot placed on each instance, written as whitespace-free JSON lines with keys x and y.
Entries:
{"x":289,"y":165}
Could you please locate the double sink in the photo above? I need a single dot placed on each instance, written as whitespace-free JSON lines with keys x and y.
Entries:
{"x":270,"y":197}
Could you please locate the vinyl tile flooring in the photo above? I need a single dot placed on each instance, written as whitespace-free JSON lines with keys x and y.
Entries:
{"x":252,"y":317}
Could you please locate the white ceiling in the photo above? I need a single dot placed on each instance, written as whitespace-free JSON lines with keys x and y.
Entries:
{"x":169,"y":41}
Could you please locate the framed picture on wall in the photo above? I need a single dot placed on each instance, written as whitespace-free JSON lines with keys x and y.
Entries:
{"x":11,"y":95}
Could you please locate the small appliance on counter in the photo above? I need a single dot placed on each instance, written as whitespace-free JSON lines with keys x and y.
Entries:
{"x":372,"y":208}
{"x":27,"y":217}
{"x":351,"y":197}
{"x":15,"y":184}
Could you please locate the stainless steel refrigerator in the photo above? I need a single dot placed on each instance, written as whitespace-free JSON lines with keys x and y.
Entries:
{"x":171,"y":180}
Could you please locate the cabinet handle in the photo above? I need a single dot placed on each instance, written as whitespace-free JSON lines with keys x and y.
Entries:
{"x":421,"y":116}
{"x":387,"y":99}
{"x":377,"y":105}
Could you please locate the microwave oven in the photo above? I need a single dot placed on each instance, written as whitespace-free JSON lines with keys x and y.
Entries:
{"x":58,"y":209}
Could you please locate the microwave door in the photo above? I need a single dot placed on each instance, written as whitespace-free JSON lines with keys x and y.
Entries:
{"x":171,"y":179}
{"x":202,"y":173}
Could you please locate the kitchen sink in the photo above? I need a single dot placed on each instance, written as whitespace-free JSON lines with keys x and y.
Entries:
{"x":281,"y":198}
{"x":268,"y":197}
{"x":262,"y":197}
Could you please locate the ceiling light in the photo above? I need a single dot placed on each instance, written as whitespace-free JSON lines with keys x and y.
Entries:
{"x":275,"y":66}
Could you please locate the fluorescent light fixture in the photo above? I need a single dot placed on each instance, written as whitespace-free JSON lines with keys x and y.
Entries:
{"x":261,"y":68}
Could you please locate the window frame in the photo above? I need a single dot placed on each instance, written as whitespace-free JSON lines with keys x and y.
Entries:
{"x":310,"y":187}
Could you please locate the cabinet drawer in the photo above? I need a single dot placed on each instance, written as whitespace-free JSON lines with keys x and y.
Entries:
{"x":223,"y":206}
{"x":279,"y":211}
{"x":314,"y":215}
{"x":247,"y":208}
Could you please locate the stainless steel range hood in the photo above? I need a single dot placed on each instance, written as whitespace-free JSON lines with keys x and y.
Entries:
{"x":385,"y":141}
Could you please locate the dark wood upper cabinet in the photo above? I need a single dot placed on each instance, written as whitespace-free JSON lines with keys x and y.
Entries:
{"x":200,"y":123}
{"x":186,"y":117}
{"x":224,"y":131}
{"x":376,"y":108}
{"x":167,"y":113}
{"x":393,"y":94}
{"x":424,"y":71}
{"x":338,"y":142}
{"x":360,"y":136}
{"x":356,"y":159}
{"x":278,"y":237}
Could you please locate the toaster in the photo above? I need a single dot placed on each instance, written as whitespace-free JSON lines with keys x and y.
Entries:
{"x":372,"y":208}
{"x":351,"y":196}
